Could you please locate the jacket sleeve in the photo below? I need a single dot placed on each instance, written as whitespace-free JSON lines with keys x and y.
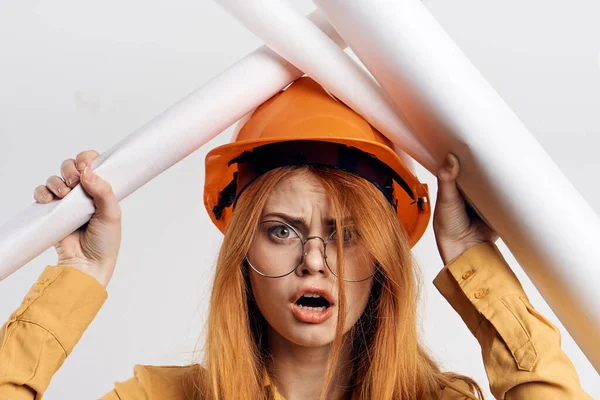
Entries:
{"x":135,"y":388}
{"x":42,"y":332}
{"x":521,"y":349}
{"x":150,"y":382}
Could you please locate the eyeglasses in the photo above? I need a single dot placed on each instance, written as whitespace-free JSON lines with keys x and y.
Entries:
{"x":278,"y":249}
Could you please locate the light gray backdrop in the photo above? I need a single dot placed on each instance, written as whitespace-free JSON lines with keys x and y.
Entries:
{"x":82,"y":75}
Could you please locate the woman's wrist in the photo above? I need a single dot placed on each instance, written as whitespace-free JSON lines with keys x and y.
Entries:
{"x":95,"y":271}
{"x":450,"y":251}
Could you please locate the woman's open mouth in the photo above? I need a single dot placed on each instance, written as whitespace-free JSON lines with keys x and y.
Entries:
{"x":312,"y":308}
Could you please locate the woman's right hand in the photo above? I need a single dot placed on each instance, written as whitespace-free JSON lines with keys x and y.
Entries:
{"x":94,"y":247}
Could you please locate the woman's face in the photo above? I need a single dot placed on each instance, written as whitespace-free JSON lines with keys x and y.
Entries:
{"x":301,"y":202}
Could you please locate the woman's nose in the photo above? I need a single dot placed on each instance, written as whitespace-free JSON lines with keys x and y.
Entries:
{"x":314,"y":257}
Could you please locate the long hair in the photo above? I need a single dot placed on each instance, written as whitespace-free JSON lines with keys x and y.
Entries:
{"x":388,"y":360}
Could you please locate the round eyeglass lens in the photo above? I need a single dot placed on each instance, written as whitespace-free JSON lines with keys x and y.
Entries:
{"x":278,"y":250}
{"x":357,"y":263}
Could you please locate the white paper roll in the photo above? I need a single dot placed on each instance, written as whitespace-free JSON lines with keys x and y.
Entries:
{"x":506,"y":174}
{"x":303,"y":44}
{"x":153,"y":148}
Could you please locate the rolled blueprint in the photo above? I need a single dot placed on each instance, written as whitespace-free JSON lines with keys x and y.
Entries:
{"x":153,"y":148}
{"x":505,"y":172}
{"x":303,"y":44}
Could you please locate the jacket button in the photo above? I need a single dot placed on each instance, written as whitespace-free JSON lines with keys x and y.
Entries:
{"x":468,"y":274}
{"x":480,"y":293}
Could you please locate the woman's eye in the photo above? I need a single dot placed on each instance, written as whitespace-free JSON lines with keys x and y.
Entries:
{"x":281,"y":232}
{"x":348,"y":234}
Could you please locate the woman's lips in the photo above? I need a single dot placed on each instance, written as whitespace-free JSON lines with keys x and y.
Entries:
{"x":311,"y":316}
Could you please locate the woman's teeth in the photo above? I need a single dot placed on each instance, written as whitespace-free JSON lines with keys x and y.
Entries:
{"x":312,"y":308}
{"x":311,"y":295}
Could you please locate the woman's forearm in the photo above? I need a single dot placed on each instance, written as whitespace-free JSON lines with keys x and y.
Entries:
{"x":520,"y":347}
{"x":43,"y":331}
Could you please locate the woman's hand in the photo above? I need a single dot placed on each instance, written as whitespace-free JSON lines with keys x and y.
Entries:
{"x":94,"y":247}
{"x":456,"y":225}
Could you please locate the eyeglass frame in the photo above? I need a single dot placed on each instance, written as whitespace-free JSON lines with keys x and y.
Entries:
{"x":305,"y":253}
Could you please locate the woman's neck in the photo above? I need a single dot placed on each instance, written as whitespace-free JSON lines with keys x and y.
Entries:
{"x":299,"y":371}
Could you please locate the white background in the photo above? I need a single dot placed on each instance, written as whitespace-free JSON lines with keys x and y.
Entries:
{"x":82,"y":75}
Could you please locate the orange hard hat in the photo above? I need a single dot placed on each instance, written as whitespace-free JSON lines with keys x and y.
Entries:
{"x":304,"y":124}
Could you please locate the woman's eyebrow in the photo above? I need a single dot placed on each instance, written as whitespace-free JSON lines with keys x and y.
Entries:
{"x":301,"y":221}
{"x":296,"y":221}
{"x":344,"y":222}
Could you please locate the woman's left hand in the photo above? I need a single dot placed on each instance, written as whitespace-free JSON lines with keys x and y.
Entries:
{"x":456,"y":225}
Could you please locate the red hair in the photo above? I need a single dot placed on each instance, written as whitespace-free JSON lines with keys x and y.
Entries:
{"x":389,"y":361}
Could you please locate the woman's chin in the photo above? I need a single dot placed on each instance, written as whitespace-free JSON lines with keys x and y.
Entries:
{"x":312,"y":339}
{"x":306,"y":335}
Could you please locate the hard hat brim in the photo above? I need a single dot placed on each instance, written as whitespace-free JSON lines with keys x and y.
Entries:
{"x":414,"y":212}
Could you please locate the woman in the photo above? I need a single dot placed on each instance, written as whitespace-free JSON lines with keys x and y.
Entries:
{"x":315,"y":291}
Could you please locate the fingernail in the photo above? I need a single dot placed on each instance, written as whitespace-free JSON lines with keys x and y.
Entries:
{"x":81,"y":166}
{"x":449,"y":161}
{"x":74,"y":180}
{"x":89,"y":175}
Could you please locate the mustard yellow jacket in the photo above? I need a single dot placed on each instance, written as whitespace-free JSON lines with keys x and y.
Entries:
{"x":520,"y":348}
